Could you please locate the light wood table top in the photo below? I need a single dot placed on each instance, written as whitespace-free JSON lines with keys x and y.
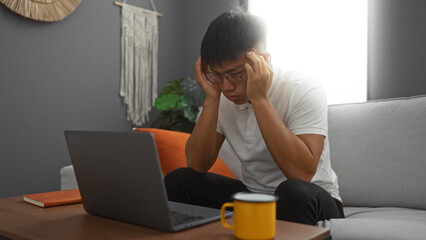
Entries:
{"x":21,"y":220}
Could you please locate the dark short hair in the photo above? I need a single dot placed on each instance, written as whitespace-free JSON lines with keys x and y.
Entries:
{"x":230,"y":35}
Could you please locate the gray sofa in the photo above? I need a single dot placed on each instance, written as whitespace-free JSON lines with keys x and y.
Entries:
{"x":378,"y":150}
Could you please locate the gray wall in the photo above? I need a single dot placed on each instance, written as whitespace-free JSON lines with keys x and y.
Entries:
{"x":397,"y":52}
{"x":65,"y":75}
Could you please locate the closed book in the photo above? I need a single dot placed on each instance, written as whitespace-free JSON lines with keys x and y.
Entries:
{"x":57,"y":198}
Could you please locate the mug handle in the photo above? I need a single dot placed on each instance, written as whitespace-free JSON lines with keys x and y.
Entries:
{"x":222,"y":215}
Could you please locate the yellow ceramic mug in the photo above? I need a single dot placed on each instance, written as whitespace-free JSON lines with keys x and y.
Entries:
{"x":254,"y":215}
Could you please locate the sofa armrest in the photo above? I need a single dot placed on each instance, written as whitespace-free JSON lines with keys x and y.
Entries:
{"x":68,"y":180}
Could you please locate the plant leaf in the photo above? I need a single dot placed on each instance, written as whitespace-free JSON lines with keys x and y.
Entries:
{"x":172,"y":87}
{"x":192,"y":92}
{"x":189,"y":113}
{"x":178,"y":103}
{"x":182,"y":104}
{"x":168,"y":101}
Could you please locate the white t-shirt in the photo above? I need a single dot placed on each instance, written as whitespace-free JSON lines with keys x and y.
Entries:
{"x":301,"y":103}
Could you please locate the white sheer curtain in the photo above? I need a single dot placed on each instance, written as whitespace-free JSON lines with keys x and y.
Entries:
{"x":326,"y":39}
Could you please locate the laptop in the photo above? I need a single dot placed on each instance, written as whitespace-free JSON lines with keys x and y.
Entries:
{"x":119,"y":177}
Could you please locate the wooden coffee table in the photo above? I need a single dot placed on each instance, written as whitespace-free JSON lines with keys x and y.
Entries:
{"x":20,"y":220}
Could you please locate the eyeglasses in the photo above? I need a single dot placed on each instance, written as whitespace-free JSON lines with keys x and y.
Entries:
{"x":215,"y":77}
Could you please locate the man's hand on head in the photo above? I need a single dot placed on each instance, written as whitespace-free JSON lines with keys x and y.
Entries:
{"x":211,"y":90}
{"x":259,"y":76}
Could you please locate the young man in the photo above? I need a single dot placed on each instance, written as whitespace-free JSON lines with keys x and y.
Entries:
{"x":276,"y":123}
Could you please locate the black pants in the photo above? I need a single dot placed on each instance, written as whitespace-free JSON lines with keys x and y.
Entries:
{"x":299,"y":201}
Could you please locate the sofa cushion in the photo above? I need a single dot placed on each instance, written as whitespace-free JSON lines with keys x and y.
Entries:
{"x":378,"y":223}
{"x":171,"y":151}
{"x":378,"y":150}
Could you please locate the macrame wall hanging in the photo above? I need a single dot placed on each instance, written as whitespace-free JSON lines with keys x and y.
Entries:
{"x":139,"y":53}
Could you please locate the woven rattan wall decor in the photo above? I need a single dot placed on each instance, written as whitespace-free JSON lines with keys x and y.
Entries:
{"x":42,"y":10}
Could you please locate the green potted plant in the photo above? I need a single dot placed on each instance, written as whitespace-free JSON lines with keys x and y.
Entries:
{"x":178,"y":103}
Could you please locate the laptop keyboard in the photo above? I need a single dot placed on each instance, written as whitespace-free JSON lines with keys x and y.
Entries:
{"x":181,"y":218}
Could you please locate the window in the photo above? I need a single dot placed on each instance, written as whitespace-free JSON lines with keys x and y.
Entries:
{"x":326,"y":39}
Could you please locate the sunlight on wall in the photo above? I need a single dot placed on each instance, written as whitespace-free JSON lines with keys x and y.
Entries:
{"x":326,"y":39}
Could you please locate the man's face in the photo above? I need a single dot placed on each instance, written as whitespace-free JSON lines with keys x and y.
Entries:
{"x":228,"y":72}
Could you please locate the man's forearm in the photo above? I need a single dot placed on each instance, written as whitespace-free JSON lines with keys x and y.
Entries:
{"x":291,"y":154}
{"x":201,"y":146}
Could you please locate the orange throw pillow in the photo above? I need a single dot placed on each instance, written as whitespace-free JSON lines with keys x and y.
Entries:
{"x":171,"y":151}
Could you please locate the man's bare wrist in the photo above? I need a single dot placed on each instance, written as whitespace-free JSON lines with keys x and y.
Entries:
{"x":259,"y":101}
{"x":211,"y":101}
